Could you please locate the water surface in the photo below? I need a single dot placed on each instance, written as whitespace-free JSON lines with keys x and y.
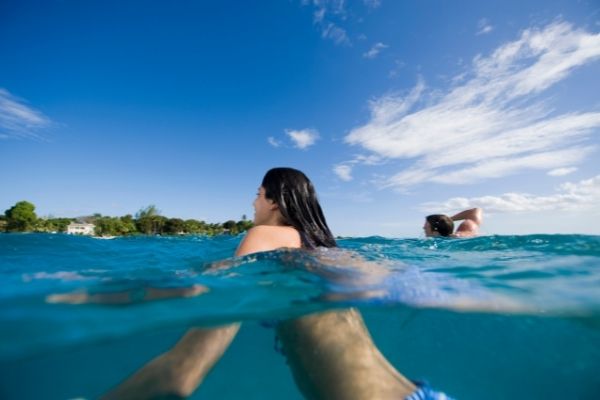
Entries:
{"x":492,"y":317}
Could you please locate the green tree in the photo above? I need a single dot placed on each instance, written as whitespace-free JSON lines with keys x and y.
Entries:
{"x":20,"y":217}
{"x":114,"y":226}
{"x":61,"y":224}
{"x":174,"y":226}
{"x":244,"y":225}
{"x":44,"y":225}
{"x":214,"y":229}
{"x":149,"y":211}
{"x":49,"y":224}
{"x":158,"y":224}
{"x":194,"y":227}
{"x":105,"y":226}
{"x":148,"y":221}
{"x":230,"y":227}
{"x":128,"y":225}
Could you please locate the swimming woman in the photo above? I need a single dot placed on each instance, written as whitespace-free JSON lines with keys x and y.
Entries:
{"x":331,"y":354}
{"x":443,"y":225}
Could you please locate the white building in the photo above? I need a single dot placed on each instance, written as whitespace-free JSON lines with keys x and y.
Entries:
{"x":75,"y":228}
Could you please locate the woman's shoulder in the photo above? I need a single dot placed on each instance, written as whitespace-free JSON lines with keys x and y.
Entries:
{"x":267,"y":238}
{"x":272,"y":228}
{"x":467,"y":228}
{"x":284,"y":236}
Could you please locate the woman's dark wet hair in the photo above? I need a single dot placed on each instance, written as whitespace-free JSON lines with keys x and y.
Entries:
{"x":441,"y":224}
{"x":296,"y":198}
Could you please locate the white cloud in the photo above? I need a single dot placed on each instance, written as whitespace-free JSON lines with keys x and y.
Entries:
{"x":375,"y":50}
{"x":495,"y":168}
{"x":562,"y":171}
{"x":273,"y":142}
{"x":303,"y":138}
{"x":395,"y":71}
{"x":335,"y":33}
{"x":333,"y":6}
{"x":18,"y":120}
{"x":372,"y":4}
{"x":325,"y":11}
{"x":319,"y":15}
{"x":324,"y":7}
{"x":367,"y":160}
{"x":343,"y":171}
{"x":492,"y":122}
{"x":483,"y":27}
{"x":579,"y":196}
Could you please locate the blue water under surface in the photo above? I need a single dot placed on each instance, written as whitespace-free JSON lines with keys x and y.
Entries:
{"x":494,"y":317}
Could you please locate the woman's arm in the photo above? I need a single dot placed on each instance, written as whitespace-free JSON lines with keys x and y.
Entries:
{"x":472,"y":220}
{"x":179,"y":371}
{"x":473,"y":214}
{"x":126,"y":296}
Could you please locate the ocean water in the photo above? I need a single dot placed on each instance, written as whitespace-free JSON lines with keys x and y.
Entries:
{"x":495,"y":317}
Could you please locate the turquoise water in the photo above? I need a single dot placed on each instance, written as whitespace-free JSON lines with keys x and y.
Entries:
{"x":496,"y":317}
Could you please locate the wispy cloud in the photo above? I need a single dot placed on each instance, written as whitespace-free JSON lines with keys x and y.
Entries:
{"x":493,"y":122}
{"x":395,"y":71}
{"x":375,"y":50}
{"x":367,"y":160}
{"x":333,"y":32}
{"x":18,"y":120}
{"x":562,"y":171}
{"x":324,"y":14}
{"x":483,"y":27}
{"x":372,"y":4}
{"x":343,"y":171}
{"x":319,"y":15}
{"x":273,"y":142}
{"x":304,"y":138}
{"x":332,"y":6}
{"x":582,"y":195}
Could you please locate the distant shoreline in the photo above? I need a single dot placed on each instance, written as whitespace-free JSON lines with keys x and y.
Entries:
{"x":147,"y":221}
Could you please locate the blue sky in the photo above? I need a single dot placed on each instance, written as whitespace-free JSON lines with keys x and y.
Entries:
{"x":394,"y":109}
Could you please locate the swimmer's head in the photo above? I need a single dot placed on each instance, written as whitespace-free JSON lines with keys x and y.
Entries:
{"x":438,"y":225}
{"x":297,"y":201}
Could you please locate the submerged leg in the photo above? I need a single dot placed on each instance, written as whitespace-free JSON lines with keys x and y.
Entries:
{"x":332,"y":356}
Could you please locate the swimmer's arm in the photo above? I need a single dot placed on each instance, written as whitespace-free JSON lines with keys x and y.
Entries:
{"x":179,"y":371}
{"x":256,"y":240}
{"x":473,"y":214}
{"x":127,"y":296}
{"x":472,"y":220}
